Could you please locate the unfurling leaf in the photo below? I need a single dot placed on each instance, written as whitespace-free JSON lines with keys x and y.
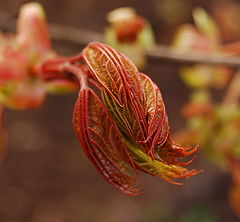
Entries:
{"x":168,"y":172}
{"x":129,"y":128}
{"x":157,"y":121}
{"x":115,"y":72}
{"x":102,"y":142}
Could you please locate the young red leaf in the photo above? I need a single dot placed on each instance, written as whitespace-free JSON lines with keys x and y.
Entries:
{"x":130,"y":128}
{"x":117,"y":74}
{"x":140,"y":114}
{"x":102,"y":142}
{"x":32,"y":34}
{"x":104,"y":71}
{"x":121,"y":80}
{"x":158,"y":128}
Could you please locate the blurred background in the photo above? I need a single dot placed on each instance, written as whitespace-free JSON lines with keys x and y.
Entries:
{"x":46,"y":177}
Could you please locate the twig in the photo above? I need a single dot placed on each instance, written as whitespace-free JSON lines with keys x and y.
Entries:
{"x":74,"y":35}
{"x":162,"y":52}
{"x":159,"y":52}
{"x":59,"y":33}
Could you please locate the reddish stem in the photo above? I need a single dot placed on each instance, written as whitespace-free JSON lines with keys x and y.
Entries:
{"x":77,"y":71}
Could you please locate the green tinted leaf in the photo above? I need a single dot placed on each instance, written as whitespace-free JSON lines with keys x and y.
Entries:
{"x":206,"y":24}
{"x":157,"y":168}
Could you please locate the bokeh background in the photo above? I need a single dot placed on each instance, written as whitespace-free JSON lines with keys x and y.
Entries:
{"x":46,"y":177}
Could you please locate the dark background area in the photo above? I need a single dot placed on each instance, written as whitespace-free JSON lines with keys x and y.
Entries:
{"x":46,"y":177}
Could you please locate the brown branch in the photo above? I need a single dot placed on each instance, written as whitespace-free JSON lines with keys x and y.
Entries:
{"x":74,"y":35}
{"x":158,"y":52}
{"x":162,"y":52}
{"x":59,"y":33}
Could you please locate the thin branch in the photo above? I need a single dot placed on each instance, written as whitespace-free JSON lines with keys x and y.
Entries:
{"x":159,"y":52}
{"x":162,"y":52}
{"x":59,"y":33}
{"x":75,"y":35}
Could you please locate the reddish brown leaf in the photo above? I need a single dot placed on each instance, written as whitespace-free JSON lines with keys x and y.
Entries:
{"x":102,"y":142}
{"x":114,"y":71}
{"x":125,"y":119}
{"x":121,"y":79}
{"x":136,"y":106}
{"x":105,"y":70}
{"x":172,"y":153}
{"x":158,"y":128}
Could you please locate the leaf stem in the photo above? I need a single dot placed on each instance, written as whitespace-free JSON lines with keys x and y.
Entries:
{"x":78,"y":72}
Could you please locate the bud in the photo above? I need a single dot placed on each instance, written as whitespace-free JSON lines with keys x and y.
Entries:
{"x":21,"y":87}
{"x":129,"y":127}
{"x":32,"y":34}
{"x":203,"y":38}
{"x":129,"y":33}
{"x":23,"y":95}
